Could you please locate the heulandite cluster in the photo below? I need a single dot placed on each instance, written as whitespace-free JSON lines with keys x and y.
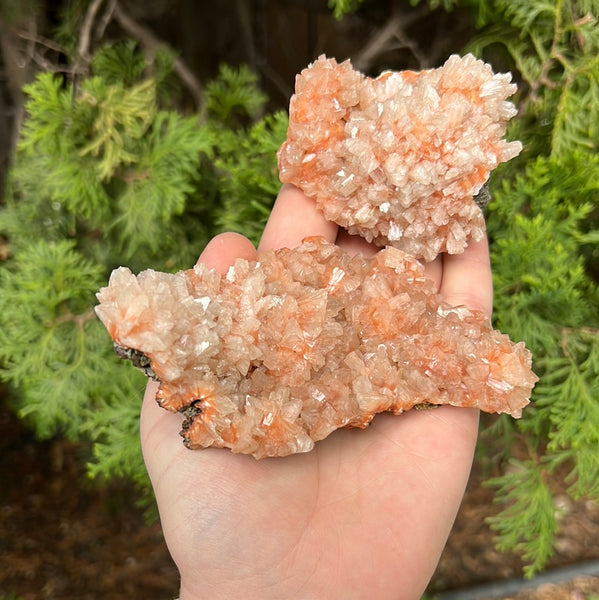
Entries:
{"x":282,"y":351}
{"x":398,"y":159}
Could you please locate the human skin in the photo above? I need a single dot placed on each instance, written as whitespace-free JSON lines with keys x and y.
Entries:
{"x":364,"y":515}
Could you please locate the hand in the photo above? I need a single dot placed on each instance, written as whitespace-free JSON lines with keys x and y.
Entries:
{"x":364,"y":515}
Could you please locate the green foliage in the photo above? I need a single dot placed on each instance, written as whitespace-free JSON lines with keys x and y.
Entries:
{"x":543,"y":228}
{"x":234,"y":94}
{"x":114,"y":428}
{"x":108,"y":173}
{"x":524,"y":488}
{"x":122,"y":64}
{"x":342,"y":8}
{"x":92,"y":153}
{"x":554,"y":47}
{"x":122,"y":117}
{"x":567,"y":400}
{"x":435,"y":4}
{"x":47,"y":327}
{"x":248,"y":172}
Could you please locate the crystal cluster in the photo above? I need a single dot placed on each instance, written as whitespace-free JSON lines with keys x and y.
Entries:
{"x":280,"y":352}
{"x":398,"y":159}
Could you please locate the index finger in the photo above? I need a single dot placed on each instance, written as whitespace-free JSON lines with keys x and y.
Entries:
{"x":294,"y":216}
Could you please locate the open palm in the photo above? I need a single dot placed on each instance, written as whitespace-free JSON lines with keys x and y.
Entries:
{"x":364,"y":515}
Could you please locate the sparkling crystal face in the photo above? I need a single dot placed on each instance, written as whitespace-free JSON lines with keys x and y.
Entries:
{"x":399,"y":159}
{"x":282,"y":351}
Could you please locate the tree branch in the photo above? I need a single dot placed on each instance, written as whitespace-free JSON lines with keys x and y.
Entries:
{"x":105,"y":20}
{"x":391,"y":36}
{"x":83,"y":54}
{"x":40,"y":40}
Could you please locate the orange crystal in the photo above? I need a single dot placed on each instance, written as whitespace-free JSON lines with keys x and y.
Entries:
{"x":282,"y":351}
{"x":398,"y":159}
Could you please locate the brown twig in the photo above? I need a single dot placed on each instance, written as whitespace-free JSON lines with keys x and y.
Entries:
{"x":41,"y":61}
{"x":279,"y":82}
{"x":83,"y":48}
{"x":391,"y":36}
{"x":40,"y":40}
{"x":105,"y":20}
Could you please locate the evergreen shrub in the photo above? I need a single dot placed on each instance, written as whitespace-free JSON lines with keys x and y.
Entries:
{"x":109,"y":171}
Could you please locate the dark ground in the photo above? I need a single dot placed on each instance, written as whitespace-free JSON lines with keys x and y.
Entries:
{"x":62,"y":537}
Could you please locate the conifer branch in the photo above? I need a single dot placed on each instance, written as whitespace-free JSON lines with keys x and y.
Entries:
{"x":566,"y":332}
{"x":152,"y":43}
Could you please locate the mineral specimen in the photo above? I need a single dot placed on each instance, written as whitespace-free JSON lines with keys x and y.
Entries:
{"x":398,"y":159}
{"x":284,"y":350}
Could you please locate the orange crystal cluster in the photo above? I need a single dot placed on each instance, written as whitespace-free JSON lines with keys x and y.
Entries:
{"x":280,"y":352}
{"x":398,"y":159}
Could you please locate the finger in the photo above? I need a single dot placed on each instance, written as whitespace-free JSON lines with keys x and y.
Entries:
{"x":294,"y":217}
{"x":434,"y":270}
{"x":222,"y":251}
{"x":467,"y":278}
{"x":354,"y":244}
